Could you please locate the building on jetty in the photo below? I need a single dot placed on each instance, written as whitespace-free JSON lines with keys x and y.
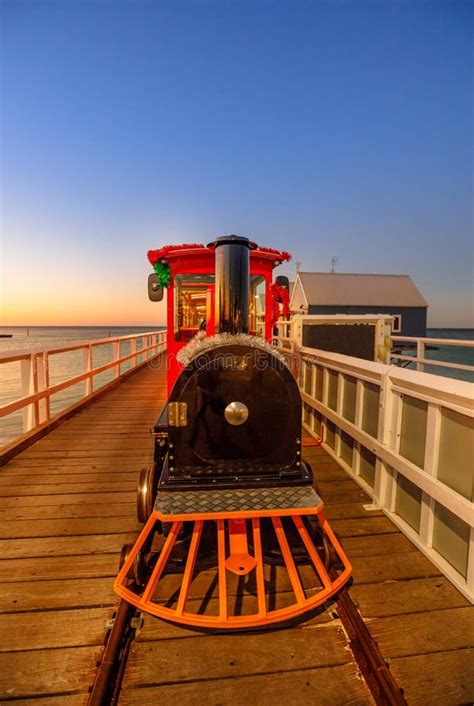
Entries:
{"x":340,"y":293}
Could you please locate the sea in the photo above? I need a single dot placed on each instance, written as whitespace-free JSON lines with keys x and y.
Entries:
{"x":67,"y":365}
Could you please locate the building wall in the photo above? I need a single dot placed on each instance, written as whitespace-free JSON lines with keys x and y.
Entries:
{"x":413,"y":318}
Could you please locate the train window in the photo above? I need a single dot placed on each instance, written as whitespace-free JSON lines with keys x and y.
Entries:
{"x":192,"y":304}
{"x":257,"y":305}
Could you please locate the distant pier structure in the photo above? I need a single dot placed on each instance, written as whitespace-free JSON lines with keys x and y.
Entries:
{"x":341,"y":293}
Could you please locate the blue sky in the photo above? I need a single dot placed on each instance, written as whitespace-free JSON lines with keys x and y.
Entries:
{"x":330,"y":129}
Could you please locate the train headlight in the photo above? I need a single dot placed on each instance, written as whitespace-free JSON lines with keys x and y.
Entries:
{"x":236,"y":413}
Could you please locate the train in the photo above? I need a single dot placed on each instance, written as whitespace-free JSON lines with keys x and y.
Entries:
{"x":229,"y":501}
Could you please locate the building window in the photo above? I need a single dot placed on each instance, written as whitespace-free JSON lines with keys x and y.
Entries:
{"x":397,"y":323}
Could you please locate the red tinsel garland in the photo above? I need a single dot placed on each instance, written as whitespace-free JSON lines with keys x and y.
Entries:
{"x":280,"y":295}
{"x":281,"y":254}
{"x":156,"y":255}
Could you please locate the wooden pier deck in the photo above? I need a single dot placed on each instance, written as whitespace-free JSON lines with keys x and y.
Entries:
{"x":68,"y":504}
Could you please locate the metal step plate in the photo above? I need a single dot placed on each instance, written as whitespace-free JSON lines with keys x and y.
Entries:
{"x":195,"y":502}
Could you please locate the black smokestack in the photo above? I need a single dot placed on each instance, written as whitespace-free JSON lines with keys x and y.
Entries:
{"x":232,"y":283}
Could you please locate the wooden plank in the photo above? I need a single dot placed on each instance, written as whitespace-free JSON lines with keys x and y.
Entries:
{"x":64,"y":546}
{"x":363,"y":526}
{"x":381,"y":544}
{"x":74,"y":699}
{"x":69,"y":488}
{"x":67,"y":465}
{"x":377,"y":568}
{"x":33,"y":479}
{"x":111,"y":445}
{"x":47,"y":595}
{"x":422,"y":633}
{"x":336,"y":486}
{"x":349,"y":511}
{"x":44,"y":512}
{"x":66,"y":527}
{"x":436,"y":679}
{"x":60,"y":567}
{"x":53,"y":628}
{"x":399,"y":597}
{"x":352,"y":495}
{"x":325,"y":686}
{"x":46,"y":672}
{"x":85,"y":498}
{"x":234,"y":655}
{"x":94,"y":453}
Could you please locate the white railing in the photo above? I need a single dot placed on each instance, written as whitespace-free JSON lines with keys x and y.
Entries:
{"x":408,"y":439}
{"x":419,"y":348}
{"x":34,"y":373}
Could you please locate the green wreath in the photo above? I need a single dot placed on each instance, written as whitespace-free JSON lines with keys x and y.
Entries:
{"x":163,"y":271}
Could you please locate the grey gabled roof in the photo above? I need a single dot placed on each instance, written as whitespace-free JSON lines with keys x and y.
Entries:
{"x":340,"y":289}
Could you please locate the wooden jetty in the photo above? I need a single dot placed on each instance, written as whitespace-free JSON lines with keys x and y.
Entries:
{"x":67,"y":506}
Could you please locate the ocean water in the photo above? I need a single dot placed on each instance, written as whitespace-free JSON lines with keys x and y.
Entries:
{"x":66,"y":365}
{"x":451,"y":354}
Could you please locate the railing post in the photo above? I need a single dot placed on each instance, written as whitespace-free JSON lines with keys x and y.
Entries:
{"x":115,"y":357}
{"x":430,"y":465}
{"x":133,"y":351}
{"x":28,"y":388}
{"x":383,"y":481}
{"x":420,"y":353}
{"x":339,"y":405}
{"x":87,"y":368}
{"x":42,"y":383}
{"x":470,"y":563}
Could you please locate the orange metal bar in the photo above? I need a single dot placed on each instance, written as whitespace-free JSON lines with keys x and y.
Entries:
{"x":240,"y":514}
{"x":221,"y":570}
{"x":261,"y":618}
{"x":257,"y":543}
{"x":189,"y":569}
{"x":313,"y":552}
{"x":160,"y":564}
{"x":239,"y":561}
{"x":290,"y":564}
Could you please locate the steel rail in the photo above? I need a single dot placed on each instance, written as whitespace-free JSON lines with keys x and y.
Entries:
{"x":374,"y":668}
{"x":111,"y":667}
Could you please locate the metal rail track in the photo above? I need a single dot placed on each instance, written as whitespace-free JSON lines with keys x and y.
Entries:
{"x":110,"y":670}
{"x":385,"y":691}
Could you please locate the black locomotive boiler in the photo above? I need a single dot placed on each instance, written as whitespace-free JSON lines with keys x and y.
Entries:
{"x":229,"y":492}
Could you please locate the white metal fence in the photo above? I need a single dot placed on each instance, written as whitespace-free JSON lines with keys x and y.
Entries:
{"x":420,"y":357}
{"x":36,"y":390}
{"x":407,"y":438}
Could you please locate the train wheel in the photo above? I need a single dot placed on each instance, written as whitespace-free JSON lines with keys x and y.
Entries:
{"x":331,"y":557}
{"x":146,"y":493}
{"x":138,"y":570}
